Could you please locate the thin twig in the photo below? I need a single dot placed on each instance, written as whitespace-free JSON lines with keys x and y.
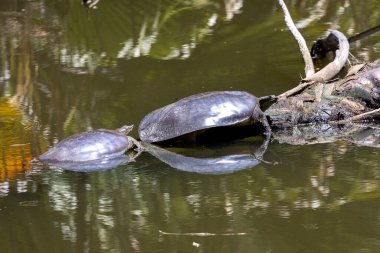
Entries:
{"x":309,"y":66}
{"x":359,"y":117}
{"x":353,"y":57}
{"x":201,"y":234}
{"x":294,"y":91}
{"x":364,"y":34}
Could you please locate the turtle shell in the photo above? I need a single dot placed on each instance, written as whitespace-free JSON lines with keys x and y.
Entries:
{"x":88,"y":146}
{"x":198,"y":112}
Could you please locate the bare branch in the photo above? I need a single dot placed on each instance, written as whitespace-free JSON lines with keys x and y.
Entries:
{"x":295,"y":90}
{"x":359,"y":117}
{"x":334,"y":41}
{"x":309,"y":66}
{"x":364,"y":34}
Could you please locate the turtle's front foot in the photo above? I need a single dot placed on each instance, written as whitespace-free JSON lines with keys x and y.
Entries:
{"x":138,"y":147}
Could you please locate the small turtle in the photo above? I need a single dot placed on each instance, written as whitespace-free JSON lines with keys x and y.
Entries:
{"x":200,"y":112}
{"x":93,"y":145}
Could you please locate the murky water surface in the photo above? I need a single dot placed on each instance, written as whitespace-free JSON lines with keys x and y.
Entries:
{"x":64,"y":70}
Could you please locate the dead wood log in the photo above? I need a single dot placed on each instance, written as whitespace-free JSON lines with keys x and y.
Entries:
{"x":335,"y":41}
{"x":338,"y":42}
{"x":327,"y":102}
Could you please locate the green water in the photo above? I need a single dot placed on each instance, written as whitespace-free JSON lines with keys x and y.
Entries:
{"x":64,"y":70}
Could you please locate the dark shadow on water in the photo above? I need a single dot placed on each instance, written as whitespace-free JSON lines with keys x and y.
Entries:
{"x":215,"y":136}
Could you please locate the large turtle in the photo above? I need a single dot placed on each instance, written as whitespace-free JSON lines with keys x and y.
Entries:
{"x":90,"y":146}
{"x":200,"y":112}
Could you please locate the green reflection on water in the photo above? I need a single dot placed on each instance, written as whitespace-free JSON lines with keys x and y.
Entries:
{"x":64,"y":70}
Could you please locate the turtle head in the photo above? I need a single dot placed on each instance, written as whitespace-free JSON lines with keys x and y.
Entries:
{"x":125,"y":129}
{"x":266,"y":101}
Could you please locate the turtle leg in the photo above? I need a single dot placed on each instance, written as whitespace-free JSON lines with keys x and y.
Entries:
{"x":133,"y":156}
{"x":266,"y":125}
{"x":134,"y":143}
{"x":259,"y":116}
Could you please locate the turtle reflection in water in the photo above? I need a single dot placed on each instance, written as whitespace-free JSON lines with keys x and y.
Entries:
{"x":194,"y":115}
{"x":95,"y":165}
{"x":98,"y":149}
{"x":227,"y":159}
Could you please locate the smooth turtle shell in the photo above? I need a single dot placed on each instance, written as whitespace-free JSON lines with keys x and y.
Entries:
{"x":88,"y":146}
{"x":198,"y":112}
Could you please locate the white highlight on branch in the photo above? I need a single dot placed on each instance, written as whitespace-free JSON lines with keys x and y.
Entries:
{"x":309,"y":66}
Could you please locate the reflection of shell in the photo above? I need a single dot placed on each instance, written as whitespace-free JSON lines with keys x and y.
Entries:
{"x":211,"y":165}
{"x":90,"y":166}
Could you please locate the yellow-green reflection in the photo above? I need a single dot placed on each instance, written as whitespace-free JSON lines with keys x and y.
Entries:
{"x":17,"y":140}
